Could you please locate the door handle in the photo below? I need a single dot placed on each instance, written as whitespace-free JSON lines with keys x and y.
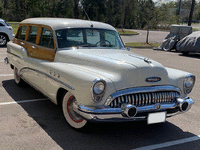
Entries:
{"x":34,"y":47}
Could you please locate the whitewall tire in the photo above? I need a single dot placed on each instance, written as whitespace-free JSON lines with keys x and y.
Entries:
{"x":73,"y":119}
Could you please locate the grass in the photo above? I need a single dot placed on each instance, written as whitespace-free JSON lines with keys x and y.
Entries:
{"x":139,"y":44}
{"x":194,"y":29}
{"x":126,"y":32}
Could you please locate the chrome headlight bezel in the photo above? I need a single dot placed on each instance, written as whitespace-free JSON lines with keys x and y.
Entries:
{"x":98,"y":89}
{"x":188,"y":83}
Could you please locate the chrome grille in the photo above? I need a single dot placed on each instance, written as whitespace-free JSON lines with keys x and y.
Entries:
{"x":143,"y":99}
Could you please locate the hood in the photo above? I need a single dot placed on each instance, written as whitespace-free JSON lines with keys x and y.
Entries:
{"x":124,"y":68}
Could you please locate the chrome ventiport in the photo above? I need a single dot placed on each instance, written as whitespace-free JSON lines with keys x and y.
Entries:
{"x":128,"y":110}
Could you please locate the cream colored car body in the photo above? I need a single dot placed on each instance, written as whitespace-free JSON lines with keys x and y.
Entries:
{"x":76,"y":70}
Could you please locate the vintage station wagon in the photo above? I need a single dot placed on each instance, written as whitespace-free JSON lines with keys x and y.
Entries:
{"x":84,"y":66}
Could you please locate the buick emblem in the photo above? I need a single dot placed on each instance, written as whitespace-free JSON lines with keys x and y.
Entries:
{"x":158,"y":106}
{"x":153,"y":79}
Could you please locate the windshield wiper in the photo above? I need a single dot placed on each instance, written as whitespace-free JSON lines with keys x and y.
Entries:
{"x":87,"y":45}
{"x":106,"y":45}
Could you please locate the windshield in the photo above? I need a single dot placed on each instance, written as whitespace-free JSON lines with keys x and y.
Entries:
{"x":87,"y":37}
{"x":6,"y":23}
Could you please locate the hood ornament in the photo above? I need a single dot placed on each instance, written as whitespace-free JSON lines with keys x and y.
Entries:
{"x":147,"y":60}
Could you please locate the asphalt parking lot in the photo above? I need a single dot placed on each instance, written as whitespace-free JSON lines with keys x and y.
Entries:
{"x":28,"y":120}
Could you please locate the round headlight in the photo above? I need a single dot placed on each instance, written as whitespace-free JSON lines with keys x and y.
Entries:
{"x":189,"y":83}
{"x":99,"y":87}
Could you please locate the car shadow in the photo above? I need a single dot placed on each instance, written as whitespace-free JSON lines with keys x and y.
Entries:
{"x":3,"y":46}
{"x":127,"y":135}
{"x":192,"y":55}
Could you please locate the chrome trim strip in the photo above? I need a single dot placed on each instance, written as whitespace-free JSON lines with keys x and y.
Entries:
{"x":26,"y":68}
{"x":115,"y":114}
{"x":14,"y":55}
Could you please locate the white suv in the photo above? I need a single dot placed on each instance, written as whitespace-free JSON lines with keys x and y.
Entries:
{"x":6,"y":33}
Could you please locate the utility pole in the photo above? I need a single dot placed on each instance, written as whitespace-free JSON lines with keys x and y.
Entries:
{"x":179,"y":8}
{"x":179,"y":11}
{"x":191,"y":13}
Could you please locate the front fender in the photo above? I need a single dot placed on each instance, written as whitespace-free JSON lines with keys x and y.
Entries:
{"x":176,"y":78}
{"x":79,"y":81}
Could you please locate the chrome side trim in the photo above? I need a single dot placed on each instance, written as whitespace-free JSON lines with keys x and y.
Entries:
{"x":14,"y":55}
{"x":25,"y":69}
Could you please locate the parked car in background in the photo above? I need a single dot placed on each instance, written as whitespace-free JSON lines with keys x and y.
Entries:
{"x":6,"y":33}
{"x":84,"y":66}
{"x":190,"y":43}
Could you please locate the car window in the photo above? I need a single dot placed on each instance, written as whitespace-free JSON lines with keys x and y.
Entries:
{"x":69,"y":38}
{"x":6,"y":23}
{"x":21,"y":33}
{"x":93,"y":36}
{"x":46,"y":38}
{"x":1,"y":25}
{"x":32,"y":34}
{"x":112,"y":38}
{"x":88,"y":37}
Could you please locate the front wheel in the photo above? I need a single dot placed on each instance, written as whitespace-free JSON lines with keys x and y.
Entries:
{"x":3,"y":40}
{"x":73,"y":119}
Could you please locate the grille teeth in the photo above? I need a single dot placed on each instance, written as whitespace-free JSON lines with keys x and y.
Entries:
{"x":143,"y":99}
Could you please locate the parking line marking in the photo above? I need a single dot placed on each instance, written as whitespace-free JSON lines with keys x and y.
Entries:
{"x":25,"y":101}
{"x":5,"y":75}
{"x":168,"y":144}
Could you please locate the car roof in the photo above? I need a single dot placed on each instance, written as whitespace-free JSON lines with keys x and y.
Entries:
{"x":2,"y":20}
{"x":61,"y":23}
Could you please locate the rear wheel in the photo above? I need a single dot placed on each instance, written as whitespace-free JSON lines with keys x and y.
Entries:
{"x":3,"y":40}
{"x":73,"y":119}
{"x":18,"y":80}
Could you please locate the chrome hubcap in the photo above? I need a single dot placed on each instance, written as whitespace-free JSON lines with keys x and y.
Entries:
{"x":2,"y":40}
{"x":73,"y":115}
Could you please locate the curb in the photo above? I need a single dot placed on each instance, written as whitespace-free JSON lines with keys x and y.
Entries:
{"x":129,"y":34}
{"x":140,"y":47}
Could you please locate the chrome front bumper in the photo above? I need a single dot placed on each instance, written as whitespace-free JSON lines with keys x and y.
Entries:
{"x":107,"y":114}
